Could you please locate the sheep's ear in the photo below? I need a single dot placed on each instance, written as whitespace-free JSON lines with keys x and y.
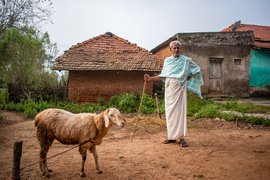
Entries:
{"x":107,"y":121}
{"x":106,"y":118}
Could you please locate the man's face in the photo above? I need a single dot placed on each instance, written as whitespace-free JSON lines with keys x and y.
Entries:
{"x":175,"y":49}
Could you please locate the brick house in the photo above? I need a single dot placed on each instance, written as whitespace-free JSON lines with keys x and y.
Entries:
{"x":259,"y":83}
{"x":105,"y":66}
{"x":224,"y":58}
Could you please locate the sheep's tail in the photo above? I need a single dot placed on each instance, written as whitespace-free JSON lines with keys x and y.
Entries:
{"x":37,"y":120}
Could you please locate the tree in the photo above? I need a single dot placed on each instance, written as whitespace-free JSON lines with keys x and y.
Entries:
{"x":26,"y":54}
{"x":24,"y":57}
{"x":23,"y":14}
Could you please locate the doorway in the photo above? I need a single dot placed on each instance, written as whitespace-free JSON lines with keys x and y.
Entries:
{"x":215,"y":75}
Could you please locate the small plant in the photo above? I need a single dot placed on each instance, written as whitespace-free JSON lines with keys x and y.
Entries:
{"x":266,"y":122}
{"x":125,"y":102}
{"x":254,"y":120}
{"x":29,"y":108}
{"x":209,"y":110}
{"x":101,"y":101}
{"x":128,"y":103}
{"x":228,"y":116}
{"x":3,"y":96}
{"x":194,"y":104}
{"x":148,"y":104}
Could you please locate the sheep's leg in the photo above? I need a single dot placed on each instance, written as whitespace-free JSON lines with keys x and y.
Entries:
{"x":45,"y":144}
{"x":94,"y":151}
{"x":43,"y":162}
{"x":83,"y":152}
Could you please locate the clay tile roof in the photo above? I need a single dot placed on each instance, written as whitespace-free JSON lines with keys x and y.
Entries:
{"x":261,"y":33}
{"x":107,"y":52}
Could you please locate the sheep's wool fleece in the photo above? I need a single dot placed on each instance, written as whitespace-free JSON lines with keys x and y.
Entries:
{"x":176,"y":105}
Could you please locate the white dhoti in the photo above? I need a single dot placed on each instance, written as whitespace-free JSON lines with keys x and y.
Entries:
{"x":175,"y":109}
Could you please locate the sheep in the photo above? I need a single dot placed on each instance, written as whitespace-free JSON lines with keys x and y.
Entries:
{"x":69,"y":128}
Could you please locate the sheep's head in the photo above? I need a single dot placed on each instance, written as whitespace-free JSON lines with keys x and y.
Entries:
{"x":114,"y":116}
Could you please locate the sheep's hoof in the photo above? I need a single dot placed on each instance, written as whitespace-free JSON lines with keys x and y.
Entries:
{"x":47,"y":175}
{"x":82,"y":174}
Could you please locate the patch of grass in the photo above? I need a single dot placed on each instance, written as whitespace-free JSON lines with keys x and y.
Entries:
{"x":194,"y":104}
{"x":245,"y":107}
{"x":266,"y":122}
{"x":253,"y":120}
{"x":3,"y":96}
{"x":208,"y":110}
{"x":148,"y":104}
{"x":228,"y":116}
{"x":125,"y":102}
{"x":129,"y":103}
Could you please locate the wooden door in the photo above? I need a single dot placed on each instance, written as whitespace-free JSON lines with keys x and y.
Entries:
{"x":215,"y":75}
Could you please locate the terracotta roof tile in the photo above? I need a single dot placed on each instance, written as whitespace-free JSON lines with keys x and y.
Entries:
{"x":261,"y":33}
{"x":107,"y":52}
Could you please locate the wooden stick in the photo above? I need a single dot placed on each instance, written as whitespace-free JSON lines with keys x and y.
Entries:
{"x":139,"y":111}
{"x":17,"y":154}
{"x":157,"y":104}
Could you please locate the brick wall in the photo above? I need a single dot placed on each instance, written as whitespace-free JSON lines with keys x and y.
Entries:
{"x":163,"y":53}
{"x":89,"y":86}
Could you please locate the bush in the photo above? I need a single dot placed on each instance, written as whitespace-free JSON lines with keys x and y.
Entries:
{"x":239,"y":107}
{"x":209,"y":110}
{"x":29,"y":108}
{"x":254,"y":120}
{"x":128,"y":103}
{"x":228,"y":116}
{"x":266,"y":122}
{"x":101,"y":101}
{"x":3,"y":96}
{"x":125,"y":102}
{"x":148,"y":104}
{"x":194,"y":104}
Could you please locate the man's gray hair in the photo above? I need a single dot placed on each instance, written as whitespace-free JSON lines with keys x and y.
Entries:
{"x":175,"y":42}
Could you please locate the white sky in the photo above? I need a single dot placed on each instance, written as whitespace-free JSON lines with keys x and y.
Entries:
{"x":148,"y":22}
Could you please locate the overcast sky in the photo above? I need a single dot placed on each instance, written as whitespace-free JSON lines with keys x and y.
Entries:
{"x":148,"y":22}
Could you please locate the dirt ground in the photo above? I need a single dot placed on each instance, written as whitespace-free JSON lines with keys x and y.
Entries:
{"x":217,"y":150}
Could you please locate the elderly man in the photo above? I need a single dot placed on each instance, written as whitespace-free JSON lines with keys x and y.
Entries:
{"x":179,"y":73}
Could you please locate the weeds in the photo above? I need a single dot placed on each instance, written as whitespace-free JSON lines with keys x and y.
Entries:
{"x":129,"y":103}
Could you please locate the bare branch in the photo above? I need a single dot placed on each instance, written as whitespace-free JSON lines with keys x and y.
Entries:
{"x":21,"y":13}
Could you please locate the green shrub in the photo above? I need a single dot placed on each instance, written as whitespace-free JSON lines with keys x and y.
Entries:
{"x":209,"y":110}
{"x":11,"y":106}
{"x":228,"y":116}
{"x":128,"y":102}
{"x":148,"y":104}
{"x":194,"y":104}
{"x":125,"y":102}
{"x":72,"y":107}
{"x":101,"y":101}
{"x":30,"y":111}
{"x":3,"y":96}
{"x":244,"y":107}
{"x":253,"y":120}
{"x":162,"y":107}
{"x":266,"y":122}
{"x":20,"y":106}
{"x":230,"y":105}
{"x":29,"y":108}
{"x":41,"y":105}
{"x":91,"y":107}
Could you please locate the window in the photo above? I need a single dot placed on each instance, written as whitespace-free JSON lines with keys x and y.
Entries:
{"x":237,"y":61}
